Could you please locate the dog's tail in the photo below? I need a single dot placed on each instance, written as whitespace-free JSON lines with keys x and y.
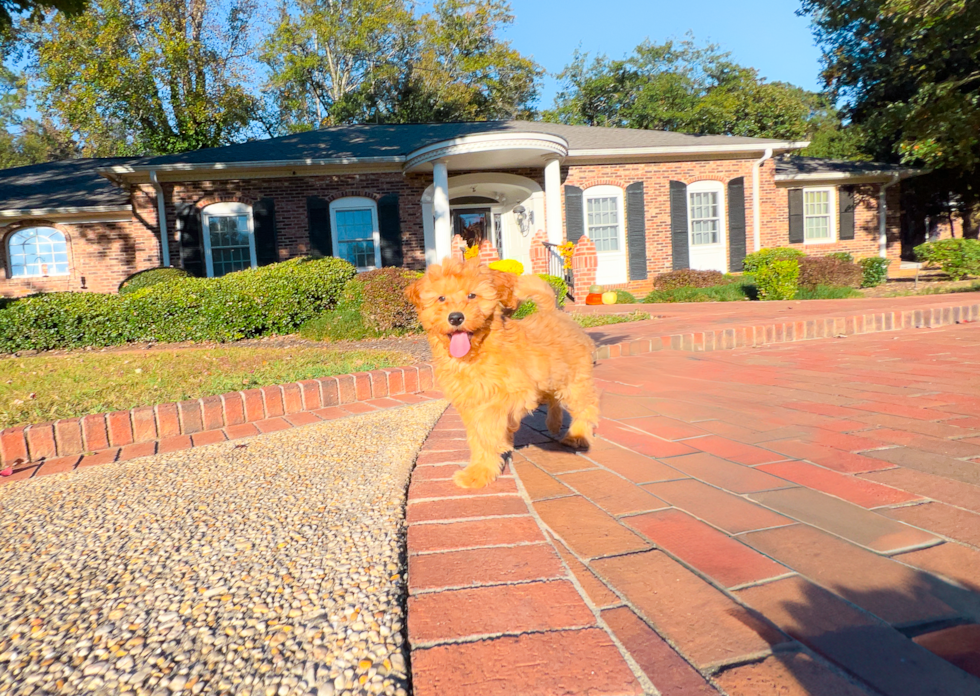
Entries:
{"x":531,"y":287}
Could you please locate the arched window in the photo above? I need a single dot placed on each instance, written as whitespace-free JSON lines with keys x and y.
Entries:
{"x":356,"y":236}
{"x":37,"y":251}
{"x":229,"y":241}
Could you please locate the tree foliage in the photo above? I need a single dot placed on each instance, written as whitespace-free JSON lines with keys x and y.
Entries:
{"x":908,"y":74}
{"x":147,"y":76}
{"x":349,"y":61}
{"x":680,"y":86}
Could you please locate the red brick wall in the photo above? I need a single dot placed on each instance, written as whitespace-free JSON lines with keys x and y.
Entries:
{"x":865,"y":242}
{"x":104,"y":253}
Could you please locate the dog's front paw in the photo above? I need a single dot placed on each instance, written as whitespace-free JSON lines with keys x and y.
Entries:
{"x":578,"y":442}
{"x":474,"y":477}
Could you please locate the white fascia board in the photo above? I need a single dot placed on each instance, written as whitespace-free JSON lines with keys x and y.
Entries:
{"x":40,"y":212}
{"x":778,"y":146}
{"x":263,"y":164}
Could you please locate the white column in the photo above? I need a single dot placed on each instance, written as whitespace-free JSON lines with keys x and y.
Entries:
{"x":440,"y":210}
{"x":552,"y":192}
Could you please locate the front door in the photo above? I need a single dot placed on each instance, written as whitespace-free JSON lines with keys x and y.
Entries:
{"x":706,"y":233}
{"x":473,"y":225}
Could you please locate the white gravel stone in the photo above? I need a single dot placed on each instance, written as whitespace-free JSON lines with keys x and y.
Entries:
{"x":270,"y":565}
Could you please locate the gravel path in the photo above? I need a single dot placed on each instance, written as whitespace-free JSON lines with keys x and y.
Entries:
{"x":268,"y":566}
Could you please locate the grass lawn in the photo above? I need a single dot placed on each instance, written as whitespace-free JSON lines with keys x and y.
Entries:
{"x":588,"y":321}
{"x":43,"y":388}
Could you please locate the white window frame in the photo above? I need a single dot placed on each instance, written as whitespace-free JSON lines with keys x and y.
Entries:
{"x":606,"y":191}
{"x":356,"y":203}
{"x":707,"y":186}
{"x":832,"y":214}
{"x":224,"y":209}
{"x":24,"y":230}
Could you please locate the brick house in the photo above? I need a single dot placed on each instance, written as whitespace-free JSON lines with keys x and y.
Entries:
{"x":637,"y":202}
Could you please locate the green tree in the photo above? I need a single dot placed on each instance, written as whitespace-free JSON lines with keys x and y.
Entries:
{"x":25,"y":140}
{"x":679,"y":86}
{"x":908,"y":75}
{"x":374,"y":61}
{"x":146,"y":76}
{"x":36,"y":9}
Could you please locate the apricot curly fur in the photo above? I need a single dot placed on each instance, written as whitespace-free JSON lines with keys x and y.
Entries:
{"x":511,"y":367}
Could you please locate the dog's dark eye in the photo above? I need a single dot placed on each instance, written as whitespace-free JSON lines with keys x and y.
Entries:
{"x":442,"y":299}
{"x":471,"y":296}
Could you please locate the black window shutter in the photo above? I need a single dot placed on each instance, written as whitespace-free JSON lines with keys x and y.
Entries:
{"x":191,"y":241}
{"x":736,"y":224}
{"x":390,"y":228}
{"x":574,"y":225}
{"x":264,"y":227}
{"x":845,"y":227}
{"x":318,"y":219}
{"x":678,"y":225}
{"x":636,"y":231}
{"x":796,"y":216}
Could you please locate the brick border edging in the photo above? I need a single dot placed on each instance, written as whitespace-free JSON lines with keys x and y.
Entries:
{"x":784,"y":332}
{"x":169,"y":424}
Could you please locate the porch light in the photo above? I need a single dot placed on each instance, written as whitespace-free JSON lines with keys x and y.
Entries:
{"x":524,"y":219}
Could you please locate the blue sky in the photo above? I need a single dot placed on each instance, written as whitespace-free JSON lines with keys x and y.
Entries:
{"x":763,"y":34}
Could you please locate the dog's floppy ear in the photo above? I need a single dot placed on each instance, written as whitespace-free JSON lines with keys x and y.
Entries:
{"x":505,"y":284}
{"x":412,"y":292}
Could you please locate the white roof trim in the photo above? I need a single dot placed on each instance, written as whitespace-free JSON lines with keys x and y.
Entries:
{"x":487,"y":142}
{"x":784,"y":145}
{"x":40,"y":212}
{"x":843,"y":176}
{"x":197,"y":166}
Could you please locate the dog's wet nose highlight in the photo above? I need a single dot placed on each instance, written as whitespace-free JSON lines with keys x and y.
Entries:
{"x":456,"y":318}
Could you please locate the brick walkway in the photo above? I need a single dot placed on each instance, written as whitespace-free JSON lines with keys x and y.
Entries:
{"x":793,"y":519}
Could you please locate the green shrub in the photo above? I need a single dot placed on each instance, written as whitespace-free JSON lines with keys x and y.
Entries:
{"x":689,"y":278}
{"x":737,"y":291}
{"x":778,"y":279}
{"x":63,"y":320}
{"x":272,"y":299}
{"x":558,"y":285}
{"x":874,"y":271}
{"x":759,"y":259}
{"x":151,"y":276}
{"x":844,"y":256}
{"x":385,"y":307}
{"x":623,"y":297}
{"x":957,"y":257}
{"x":528,"y":307}
{"x":828,"y":270}
{"x":825,"y":292}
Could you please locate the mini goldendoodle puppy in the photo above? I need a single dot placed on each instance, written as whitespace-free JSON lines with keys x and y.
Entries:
{"x":494,"y":369}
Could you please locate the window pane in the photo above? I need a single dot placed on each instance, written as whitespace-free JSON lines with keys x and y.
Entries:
{"x":816,"y":214}
{"x":360,"y":253}
{"x":355,"y":225}
{"x":705,"y":220}
{"x":602,"y":223}
{"x":230,"y":243}
{"x":38,"y":251}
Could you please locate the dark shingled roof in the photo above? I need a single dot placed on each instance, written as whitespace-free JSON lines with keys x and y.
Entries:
{"x":794,"y":165}
{"x":400,"y":140}
{"x":67,"y":184}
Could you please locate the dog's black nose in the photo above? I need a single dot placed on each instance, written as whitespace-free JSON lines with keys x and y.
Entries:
{"x":456,"y":318}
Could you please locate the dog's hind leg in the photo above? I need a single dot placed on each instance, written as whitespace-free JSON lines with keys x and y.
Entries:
{"x":555,"y":415}
{"x":489,"y":437}
{"x":582,"y":403}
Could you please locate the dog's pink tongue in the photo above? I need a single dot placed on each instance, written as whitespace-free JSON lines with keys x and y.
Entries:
{"x":459,"y":344}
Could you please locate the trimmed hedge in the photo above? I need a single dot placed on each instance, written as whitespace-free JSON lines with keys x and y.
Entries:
{"x":689,"y":278}
{"x":957,"y":257}
{"x":874,"y":271}
{"x":759,"y":259}
{"x":777,"y":280}
{"x":385,"y":306}
{"x":623,"y":297}
{"x":831,"y":271}
{"x":561,"y":293}
{"x":151,"y":276}
{"x":273,"y":299}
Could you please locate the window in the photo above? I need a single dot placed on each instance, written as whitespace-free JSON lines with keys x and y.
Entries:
{"x":37,"y":251}
{"x":604,"y":217}
{"x":817,"y":219}
{"x":356,"y":237}
{"x":704,"y":206}
{"x":229,"y":240}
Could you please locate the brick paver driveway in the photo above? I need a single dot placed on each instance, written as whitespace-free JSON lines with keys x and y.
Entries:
{"x":794,"y":519}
